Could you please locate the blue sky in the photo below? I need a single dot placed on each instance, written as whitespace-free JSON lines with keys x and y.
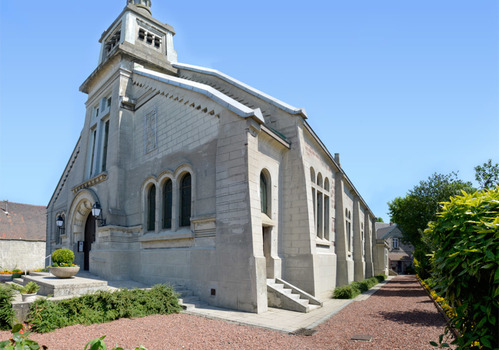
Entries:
{"x":401,"y":89}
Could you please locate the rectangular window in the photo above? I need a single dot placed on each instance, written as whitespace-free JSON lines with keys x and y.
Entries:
{"x":92,"y":152}
{"x":104,"y":146}
{"x":395,"y":243}
{"x":320,"y":212}
{"x":167,"y":204}
{"x":326,"y":218}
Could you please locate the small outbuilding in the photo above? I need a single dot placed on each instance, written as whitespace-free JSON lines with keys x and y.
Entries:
{"x":22,"y":236}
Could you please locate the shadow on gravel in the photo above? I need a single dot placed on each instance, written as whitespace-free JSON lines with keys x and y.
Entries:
{"x":401,"y":281}
{"x":417,"y":317}
{"x":386,"y":291}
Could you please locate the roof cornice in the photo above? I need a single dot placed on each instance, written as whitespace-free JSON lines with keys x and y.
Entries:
{"x":215,"y":95}
{"x":257,"y":93}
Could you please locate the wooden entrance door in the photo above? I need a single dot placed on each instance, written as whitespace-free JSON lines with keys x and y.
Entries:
{"x":89,"y":239}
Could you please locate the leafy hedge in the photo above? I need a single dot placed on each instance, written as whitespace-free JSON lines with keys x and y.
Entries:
{"x":465,"y":265}
{"x":356,"y":288}
{"x":103,"y":306}
{"x":6,"y":311}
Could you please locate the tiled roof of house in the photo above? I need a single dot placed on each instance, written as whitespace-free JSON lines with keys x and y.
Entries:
{"x":22,"y":221}
{"x":383,"y":229}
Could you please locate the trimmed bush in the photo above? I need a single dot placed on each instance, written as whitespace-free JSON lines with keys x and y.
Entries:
{"x":103,"y":306}
{"x":356,"y":288}
{"x":6,"y":311}
{"x":381,"y":277}
{"x":345,"y":292}
{"x":63,"y":256}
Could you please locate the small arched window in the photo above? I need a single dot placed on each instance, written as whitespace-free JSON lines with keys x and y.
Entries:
{"x":312,"y":175}
{"x":319,"y":179}
{"x":151,"y":208}
{"x":167,"y":204}
{"x":326,"y":184}
{"x":263,"y":193}
{"x":185,"y":200}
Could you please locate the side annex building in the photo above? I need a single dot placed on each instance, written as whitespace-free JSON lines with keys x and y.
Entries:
{"x":203,"y":181}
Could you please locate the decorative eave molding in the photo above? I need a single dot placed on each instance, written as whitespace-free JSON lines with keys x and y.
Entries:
{"x":275,"y":136}
{"x":257,"y":93}
{"x":92,"y":182}
{"x":213,"y":94}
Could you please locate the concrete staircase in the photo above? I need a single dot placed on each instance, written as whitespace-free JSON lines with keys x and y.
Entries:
{"x":186,"y":298}
{"x":284,"y":295}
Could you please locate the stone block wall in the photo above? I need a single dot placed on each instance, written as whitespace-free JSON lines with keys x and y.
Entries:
{"x":22,"y":255}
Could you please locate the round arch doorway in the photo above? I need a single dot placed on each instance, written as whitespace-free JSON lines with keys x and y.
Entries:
{"x":89,"y":238}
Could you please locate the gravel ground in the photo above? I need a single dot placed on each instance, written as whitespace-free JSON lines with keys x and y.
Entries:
{"x":398,"y":316}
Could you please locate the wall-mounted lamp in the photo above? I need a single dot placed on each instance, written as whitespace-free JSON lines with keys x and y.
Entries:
{"x":59,"y":222}
{"x":96,"y":213}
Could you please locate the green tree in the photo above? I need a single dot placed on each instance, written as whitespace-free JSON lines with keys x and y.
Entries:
{"x":487,"y":175}
{"x":413,"y":212}
{"x":379,"y":220}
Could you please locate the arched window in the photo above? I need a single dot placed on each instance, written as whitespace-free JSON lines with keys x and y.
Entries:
{"x":319,"y":179}
{"x":312,"y":175}
{"x":185,"y":200}
{"x":167,"y":204}
{"x":151,"y":208}
{"x":263,"y":193}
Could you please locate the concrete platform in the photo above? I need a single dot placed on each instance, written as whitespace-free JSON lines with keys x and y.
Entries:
{"x":64,"y":287}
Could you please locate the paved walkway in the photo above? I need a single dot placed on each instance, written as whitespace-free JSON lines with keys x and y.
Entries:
{"x":279,"y":319}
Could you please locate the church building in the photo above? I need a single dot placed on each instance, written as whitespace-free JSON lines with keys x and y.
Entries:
{"x":185,"y":175}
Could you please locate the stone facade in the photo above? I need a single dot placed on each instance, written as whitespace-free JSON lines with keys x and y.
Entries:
{"x":203,"y":181}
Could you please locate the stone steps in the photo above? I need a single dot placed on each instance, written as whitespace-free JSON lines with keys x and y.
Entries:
{"x":283,"y":295}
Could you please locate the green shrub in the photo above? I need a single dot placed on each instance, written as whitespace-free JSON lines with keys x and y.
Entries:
{"x":381,"y":277}
{"x":371,"y":282}
{"x":103,"y":306}
{"x":345,"y":292}
{"x":359,"y":286}
{"x":30,"y":288}
{"x":465,"y":265}
{"x":63,"y":256}
{"x":6,"y":311}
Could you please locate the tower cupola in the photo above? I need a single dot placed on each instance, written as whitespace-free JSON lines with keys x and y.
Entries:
{"x":143,"y":4}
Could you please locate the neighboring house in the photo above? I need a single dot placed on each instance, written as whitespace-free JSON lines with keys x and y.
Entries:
{"x":400,"y":255}
{"x":22,"y":236}
{"x":203,"y":181}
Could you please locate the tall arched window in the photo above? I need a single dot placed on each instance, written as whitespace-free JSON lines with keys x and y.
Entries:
{"x":326,"y":210}
{"x":151,"y":208}
{"x":263,"y":193}
{"x":167,"y":204}
{"x":185,"y":200}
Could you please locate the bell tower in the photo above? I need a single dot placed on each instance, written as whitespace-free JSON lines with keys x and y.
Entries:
{"x":135,"y":35}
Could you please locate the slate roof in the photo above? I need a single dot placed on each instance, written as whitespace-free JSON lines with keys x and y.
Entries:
{"x":22,"y":221}
{"x":383,"y":229}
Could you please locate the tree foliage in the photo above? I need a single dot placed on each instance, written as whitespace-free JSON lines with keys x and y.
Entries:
{"x":465,"y":265}
{"x":413,"y":212}
{"x":487,"y":175}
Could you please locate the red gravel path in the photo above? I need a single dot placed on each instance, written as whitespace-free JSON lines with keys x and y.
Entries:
{"x":399,"y":316}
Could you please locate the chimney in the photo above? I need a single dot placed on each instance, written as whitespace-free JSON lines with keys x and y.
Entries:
{"x":337,"y":158}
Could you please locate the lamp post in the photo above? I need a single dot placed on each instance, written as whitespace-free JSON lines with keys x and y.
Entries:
{"x":97,"y":212}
